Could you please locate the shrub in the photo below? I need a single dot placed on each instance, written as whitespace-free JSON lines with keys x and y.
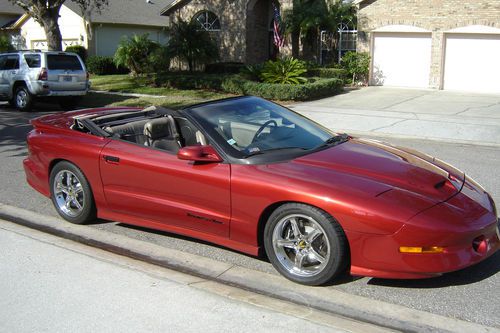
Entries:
{"x":78,"y":49}
{"x":187,"y":81}
{"x":159,"y":59}
{"x":252,"y":72}
{"x":224,"y":68}
{"x":357,"y":65}
{"x":5,"y":44}
{"x":104,"y":66}
{"x":330,"y":73}
{"x":300,"y":92}
{"x":190,"y":44}
{"x":134,"y":53}
{"x":284,"y":71}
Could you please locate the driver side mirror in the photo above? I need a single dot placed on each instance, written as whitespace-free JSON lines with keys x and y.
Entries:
{"x":199,"y":154}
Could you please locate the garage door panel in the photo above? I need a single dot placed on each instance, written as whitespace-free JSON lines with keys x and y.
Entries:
{"x":472,"y":63}
{"x":401,"y":59}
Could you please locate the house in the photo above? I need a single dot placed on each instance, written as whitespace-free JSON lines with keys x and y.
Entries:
{"x":440,"y":44}
{"x":9,"y":13}
{"x":242,"y":28}
{"x":101,"y":32}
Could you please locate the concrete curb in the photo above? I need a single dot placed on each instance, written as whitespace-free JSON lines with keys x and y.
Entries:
{"x":324,"y":299}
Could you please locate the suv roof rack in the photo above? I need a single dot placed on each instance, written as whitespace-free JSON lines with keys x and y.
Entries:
{"x":28,"y":50}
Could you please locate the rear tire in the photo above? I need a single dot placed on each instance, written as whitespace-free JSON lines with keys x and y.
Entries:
{"x":305,"y":244}
{"x":23,"y":100}
{"x":71,"y":194}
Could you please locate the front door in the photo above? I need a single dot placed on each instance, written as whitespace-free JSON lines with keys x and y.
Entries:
{"x":156,"y":186}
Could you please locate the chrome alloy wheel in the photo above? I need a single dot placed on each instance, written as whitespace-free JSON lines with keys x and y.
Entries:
{"x":301,"y":245}
{"x":69,"y":194}
{"x":22,"y":98}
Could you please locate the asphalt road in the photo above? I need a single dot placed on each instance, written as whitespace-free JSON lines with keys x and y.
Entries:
{"x":470,"y":294}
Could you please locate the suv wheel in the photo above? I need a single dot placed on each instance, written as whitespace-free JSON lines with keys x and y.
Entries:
{"x":23,"y":100}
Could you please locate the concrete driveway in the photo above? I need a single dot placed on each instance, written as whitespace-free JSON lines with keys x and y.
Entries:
{"x":426,"y":114}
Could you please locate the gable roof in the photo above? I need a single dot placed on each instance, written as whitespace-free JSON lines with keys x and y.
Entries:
{"x":172,"y":5}
{"x":135,"y":12}
{"x":7,"y":7}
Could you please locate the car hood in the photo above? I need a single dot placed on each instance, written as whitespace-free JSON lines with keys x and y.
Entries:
{"x":394,"y":166}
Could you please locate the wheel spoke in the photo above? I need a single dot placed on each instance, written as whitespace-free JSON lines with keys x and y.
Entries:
{"x":68,"y":203}
{"x":299,"y":260}
{"x":78,"y":188}
{"x":295,"y":227}
{"x":286,"y":243}
{"x":77,"y":204}
{"x":313,"y":254}
{"x":313,"y":235}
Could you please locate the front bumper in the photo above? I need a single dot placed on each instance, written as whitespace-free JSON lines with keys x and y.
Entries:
{"x":466,"y":226}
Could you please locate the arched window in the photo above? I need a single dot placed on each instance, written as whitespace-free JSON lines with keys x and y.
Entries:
{"x":208,"y":21}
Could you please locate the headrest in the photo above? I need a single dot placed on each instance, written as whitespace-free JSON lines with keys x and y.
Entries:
{"x":158,"y":128}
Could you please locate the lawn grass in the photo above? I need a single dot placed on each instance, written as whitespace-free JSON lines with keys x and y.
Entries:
{"x":170,"y":97}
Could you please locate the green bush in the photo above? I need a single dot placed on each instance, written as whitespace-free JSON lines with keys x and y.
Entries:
{"x":159,"y":59}
{"x":300,"y":92}
{"x":78,"y":49}
{"x":100,"y":65}
{"x":329,"y":73}
{"x":357,"y":65}
{"x":252,"y":72}
{"x":224,"y":68}
{"x":135,"y":52}
{"x":284,"y":71}
{"x":5,"y":44}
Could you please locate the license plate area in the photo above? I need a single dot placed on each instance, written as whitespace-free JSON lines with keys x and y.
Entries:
{"x":66,"y":78}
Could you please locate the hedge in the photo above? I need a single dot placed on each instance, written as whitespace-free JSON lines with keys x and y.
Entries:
{"x":78,"y":49}
{"x":104,"y":66}
{"x":301,"y":92}
{"x":330,"y":73}
{"x":224,"y":68}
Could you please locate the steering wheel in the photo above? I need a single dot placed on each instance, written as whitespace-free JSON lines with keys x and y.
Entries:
{"x":261,"y":128}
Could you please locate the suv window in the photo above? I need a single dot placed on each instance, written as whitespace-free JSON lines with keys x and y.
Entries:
{"x":63,"y":62}
{"x":33,"y":60}
{"x":8,"y":62}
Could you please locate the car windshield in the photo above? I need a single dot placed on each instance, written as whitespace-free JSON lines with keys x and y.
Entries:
{"x":252,"y":126}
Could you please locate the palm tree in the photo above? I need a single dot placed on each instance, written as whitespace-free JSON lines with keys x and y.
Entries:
{"x":134,"y":53}
{"x":308,"y":17}
{"x":190,"y":44}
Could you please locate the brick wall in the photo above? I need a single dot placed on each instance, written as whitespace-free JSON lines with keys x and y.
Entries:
{"x":437,"y":16}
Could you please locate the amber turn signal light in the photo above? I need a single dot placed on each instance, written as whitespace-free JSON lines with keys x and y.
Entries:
{"x":417,"y":249}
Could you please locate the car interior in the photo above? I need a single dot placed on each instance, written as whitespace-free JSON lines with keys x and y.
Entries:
{"x":154,"y":127}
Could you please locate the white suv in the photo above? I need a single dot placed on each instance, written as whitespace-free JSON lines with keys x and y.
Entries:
{"x":29,"y":75}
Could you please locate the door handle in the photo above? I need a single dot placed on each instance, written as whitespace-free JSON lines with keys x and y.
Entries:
{"x":13,"y":72}
{"x":111,"y":159}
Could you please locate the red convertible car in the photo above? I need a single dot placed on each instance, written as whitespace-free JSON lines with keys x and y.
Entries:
{"x":252,"y":175}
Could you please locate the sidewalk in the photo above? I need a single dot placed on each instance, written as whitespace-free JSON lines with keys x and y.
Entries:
{"x":50,"y":284}
{"x":410,"y":113}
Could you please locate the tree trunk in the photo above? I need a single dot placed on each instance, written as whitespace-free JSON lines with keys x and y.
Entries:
{"x":51,"y":27}
{"x":296,"y":44}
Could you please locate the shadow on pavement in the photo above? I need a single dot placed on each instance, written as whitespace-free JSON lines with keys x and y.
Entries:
{"x":473,"y":274}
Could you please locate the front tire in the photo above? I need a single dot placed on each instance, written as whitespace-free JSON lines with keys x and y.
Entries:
{"x":305,"y":244}
{"x":71,"y":194}
{"x":23,"y":100}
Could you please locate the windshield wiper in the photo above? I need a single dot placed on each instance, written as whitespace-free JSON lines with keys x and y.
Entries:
{"x":271,"y":149}
{"x":334,"y":140}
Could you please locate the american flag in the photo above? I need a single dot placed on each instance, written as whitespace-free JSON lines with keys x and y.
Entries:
{"x":279,"y":39}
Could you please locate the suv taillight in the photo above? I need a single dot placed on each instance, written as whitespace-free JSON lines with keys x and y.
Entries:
{"x":43,"y":76}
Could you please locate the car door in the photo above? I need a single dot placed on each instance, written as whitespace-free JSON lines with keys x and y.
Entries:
{"x":156,"y":186}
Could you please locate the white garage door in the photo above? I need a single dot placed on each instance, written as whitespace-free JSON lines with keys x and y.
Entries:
{"x":401,"y":59}
{"x":472,"y":63}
